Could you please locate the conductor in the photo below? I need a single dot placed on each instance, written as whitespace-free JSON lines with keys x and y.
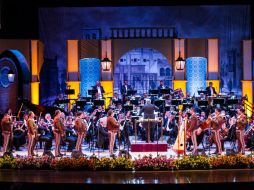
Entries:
{"x":148,"y":110}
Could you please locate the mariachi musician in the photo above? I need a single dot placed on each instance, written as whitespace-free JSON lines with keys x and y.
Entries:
{"x":58,"y":131}
{"x":241,"y":122}
{"x":7,"y":130}
{"x":113,"y":128}
{"x":32,"y":133}
{"x":192,"y":128}
{"x":80,"y":127}
{"x":216,"y":123}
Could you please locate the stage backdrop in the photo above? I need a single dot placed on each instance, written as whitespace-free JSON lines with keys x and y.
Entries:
{"x":230,"y":24}
{"x":89,"y":74}
{"x":196,"y":71}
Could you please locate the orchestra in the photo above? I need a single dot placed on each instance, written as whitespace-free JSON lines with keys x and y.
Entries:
{"x":100,"y":125}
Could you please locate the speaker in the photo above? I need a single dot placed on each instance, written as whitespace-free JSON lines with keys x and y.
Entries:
{"x":48,"y":153}
{"x":76,"y":154}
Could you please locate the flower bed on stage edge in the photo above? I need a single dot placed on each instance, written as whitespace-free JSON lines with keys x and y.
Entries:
{"x":146,"y":163}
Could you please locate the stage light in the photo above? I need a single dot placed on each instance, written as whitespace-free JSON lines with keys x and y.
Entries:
{"x":11,"y":76}
{"x":180,"y":62}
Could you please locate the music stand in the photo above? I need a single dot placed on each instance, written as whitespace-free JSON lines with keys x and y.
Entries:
{"x":92,"y":92}
{"x":202,"y":91}
{"x":127,"y":108}
{"x":176,"y":102}
{"x":99,"y":102}
{"x":69,"y":91}
{"x":169,"y":108}
{"x":232,"y":101}
{"x":116,"y":102}
{"x":219,"y":101}
{"x":81,"y":103}
{"x":65,"y":101}
{"x":187,"y":105}
{"x":165,"y":91}
{"x":153,"y":92}
{"x":131,"y":92}
{"x":203,"y":103}
{"x":159,"y":103}
{"x":134,"y":102}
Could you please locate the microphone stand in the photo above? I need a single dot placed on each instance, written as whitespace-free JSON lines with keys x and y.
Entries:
{"x":157,"y":139}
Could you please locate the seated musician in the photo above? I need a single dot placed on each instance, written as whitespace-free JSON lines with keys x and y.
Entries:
{"x":71,"y":135}
{"x":170,"y":127}
{"x":210,"y":90}
{"x":102,"y":139}
{"x":19,"y":134}
{"x":124,"y":89}
{"x":148,"y":110}
{"x":126,"y":127}
{"x":100,"y":90}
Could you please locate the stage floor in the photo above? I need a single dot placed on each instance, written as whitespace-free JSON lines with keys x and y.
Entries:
{"x":135,"y":155}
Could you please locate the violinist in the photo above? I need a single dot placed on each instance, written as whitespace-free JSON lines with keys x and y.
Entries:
{"x":241,"y":122}
{"x":193,"y":126}
{"x":7,"y":130}
{"x":32,"y":133}
{"x":71,"y":135}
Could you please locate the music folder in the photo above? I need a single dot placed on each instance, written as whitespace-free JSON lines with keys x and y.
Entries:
{"x":219,"y":101}
{"x":159,"y":102}
{"x":165,"y":91}
{"x":202,"y":103}
{"x":131,"y":92}
{"x":128,"y":107}
{"x":99,"y":102}
{"x":153,"y":92}
{"x":176,"y":102}
{"x":92,"y":92}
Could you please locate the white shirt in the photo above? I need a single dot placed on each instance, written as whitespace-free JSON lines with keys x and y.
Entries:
{"x":99,"y":91}
{"x":211,"y":89}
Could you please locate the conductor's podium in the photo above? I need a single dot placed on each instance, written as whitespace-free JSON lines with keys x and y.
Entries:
{"x":142,"y":146}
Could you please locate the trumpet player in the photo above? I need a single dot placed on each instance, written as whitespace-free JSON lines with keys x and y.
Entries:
{"x":32,"y":133}
{"x":241,"y":122}
{"x":7,"y":131}
{"x":80,"y":127}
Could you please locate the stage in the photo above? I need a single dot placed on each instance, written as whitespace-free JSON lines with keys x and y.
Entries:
{"x":219,"y":179}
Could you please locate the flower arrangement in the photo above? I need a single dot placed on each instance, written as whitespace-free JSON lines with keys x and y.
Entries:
{"x":150,"y":163}
{"x":121,"y":163}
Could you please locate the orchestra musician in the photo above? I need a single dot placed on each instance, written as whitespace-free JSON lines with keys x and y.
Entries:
{"x":241,"y":122}
{"x":103,"y":136}
{"x":58,"y":131}
{"x":170,"y":127}
{"x":210,"y":90}
{"x":113,"y":129}
{"x":7,"y":130}
{"x":192,"y":129}
{"x":81,"y":128}
{"x":32,"y":133}
{"x":148,"y":110}
{"x":100,"y":90}
{"x":124,"y":89}
{"x":216,"y":124}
